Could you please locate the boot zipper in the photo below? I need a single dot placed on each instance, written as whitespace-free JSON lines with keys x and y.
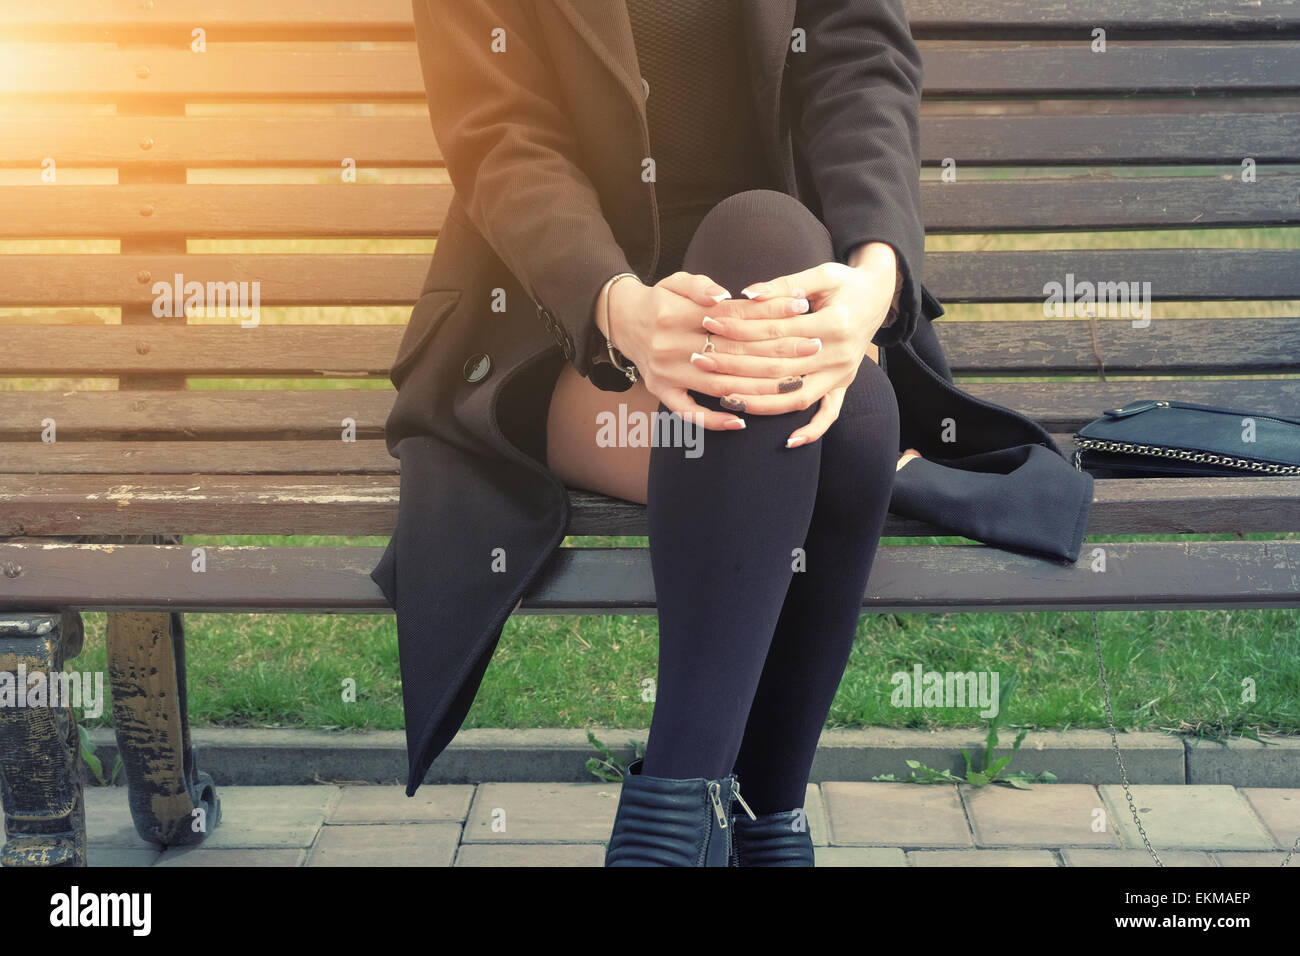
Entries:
{"x":735,"y":789}
{"x":715,"y":789}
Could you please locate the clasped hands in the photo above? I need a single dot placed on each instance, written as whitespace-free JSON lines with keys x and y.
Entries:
{"x":793,"y":341}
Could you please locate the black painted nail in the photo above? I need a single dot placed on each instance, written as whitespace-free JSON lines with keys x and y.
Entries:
{"x":791,"y":384}
{"x":732,"y":404}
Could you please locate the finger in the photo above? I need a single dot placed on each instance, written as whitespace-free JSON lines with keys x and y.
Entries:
{"x":820,"y":278}
{"x":815,"y":386}
{"x":758,"y":367}
{"x":757,"y":330}
{"x":828,"y":411}
{"x":772,"y":307}
{"x":787,"y":347}
{"x":718,"y":385}
{"x":700,"y":289}
{"x":679,"y":400}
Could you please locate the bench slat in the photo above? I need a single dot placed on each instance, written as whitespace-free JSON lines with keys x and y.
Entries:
{"x":1149,"y":575}
{"x":55,"y":504}
{"x":387,"y":141}
{"x":983,"y":69}
{"x":383,"y":279}
{"x":287,"y":457}
{"x":1038,"y":347}
{"x":419,"y":209}
{"x":278,"y":350}
{"x":205,"y":414}
{"x":315,"y":414}
{"x":1167,"y":347}
{"x":292,"y":18}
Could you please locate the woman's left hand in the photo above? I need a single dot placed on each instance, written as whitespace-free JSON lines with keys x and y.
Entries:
{"x":847,"y":304}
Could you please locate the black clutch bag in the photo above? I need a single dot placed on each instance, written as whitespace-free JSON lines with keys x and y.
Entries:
{"x":1153,"y":439}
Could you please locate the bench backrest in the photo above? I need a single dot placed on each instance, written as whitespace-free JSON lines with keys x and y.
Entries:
{"x":286,"y":143}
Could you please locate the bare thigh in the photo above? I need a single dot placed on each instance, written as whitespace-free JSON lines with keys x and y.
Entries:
{"x":573,"y":453}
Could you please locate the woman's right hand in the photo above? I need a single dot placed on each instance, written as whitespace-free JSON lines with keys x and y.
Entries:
{"x":659,"y":327}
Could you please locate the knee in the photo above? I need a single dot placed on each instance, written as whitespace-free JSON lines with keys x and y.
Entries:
{"x":757,"y":234}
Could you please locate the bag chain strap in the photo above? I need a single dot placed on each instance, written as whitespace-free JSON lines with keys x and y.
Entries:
{"x":1114,"y":741}
{"x":1247,"y":464}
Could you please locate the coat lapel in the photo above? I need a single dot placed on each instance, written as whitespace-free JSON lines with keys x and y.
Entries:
{"x":605,"y":26}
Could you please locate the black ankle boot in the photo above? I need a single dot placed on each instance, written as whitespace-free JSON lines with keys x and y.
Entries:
{"x":666,"y":822}
{"x":772,"y":839}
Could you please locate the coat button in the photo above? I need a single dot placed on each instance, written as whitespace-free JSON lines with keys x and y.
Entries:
{"x":477,"y":367}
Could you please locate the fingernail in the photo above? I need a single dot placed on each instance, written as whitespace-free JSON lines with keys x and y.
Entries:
{"x":735,"y":423}
{"x":761,"y":288}
{"x":791,"y":384}
{"x":795,"y":442}
{"x":719,"y":295}
{"x":819,"y":346}
{"x":732,"y":404}
{"x":800,"y":305}
{"x":712,"y":324}
{"x":708,"y":362}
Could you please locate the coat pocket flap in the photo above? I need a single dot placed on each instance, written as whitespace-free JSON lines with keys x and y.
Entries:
{"x":430,"y":310}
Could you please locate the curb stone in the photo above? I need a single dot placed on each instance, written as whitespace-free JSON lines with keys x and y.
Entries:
{"x":269,"y":757}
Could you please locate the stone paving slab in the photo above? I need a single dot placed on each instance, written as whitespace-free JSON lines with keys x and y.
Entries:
{"x":108,"y":820}
{"x":815,"y":807}
{"x":271,"y":816}
{"x":981,"y":858}
{"x":1049,"y":815}
{"x":895,"y":814}
{"x":120,"y":856}
{"x":1280,"y":812}
{"x":859,"y":856}
{"x":531,"y":854}
{"x":390,"y":844}
{"x":1254,"y":859}
{"x":379,"y":804}
{"x":205,"y":855}
{"x":542,"y":813}
{"x":1087,"y":857}
{"x":1187,"y":818}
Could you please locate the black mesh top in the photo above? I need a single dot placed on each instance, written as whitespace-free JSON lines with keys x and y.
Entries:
{"x":704,"y":134}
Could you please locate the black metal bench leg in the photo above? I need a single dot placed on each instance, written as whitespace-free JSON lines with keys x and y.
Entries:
{"x":40,"y":753}
{"x":173,"y":803}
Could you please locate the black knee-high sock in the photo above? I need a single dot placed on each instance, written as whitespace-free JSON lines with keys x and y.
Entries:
{"x":724,"y":527}
{"x":819,"y":618}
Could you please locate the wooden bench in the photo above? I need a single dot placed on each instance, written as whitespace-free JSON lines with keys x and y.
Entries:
{"x":1047,"y":136}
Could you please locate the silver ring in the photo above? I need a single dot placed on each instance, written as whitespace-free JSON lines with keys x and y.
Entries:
{"x":708,"y":344}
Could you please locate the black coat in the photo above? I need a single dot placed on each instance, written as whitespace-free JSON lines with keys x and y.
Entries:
{"x":548,"y":204}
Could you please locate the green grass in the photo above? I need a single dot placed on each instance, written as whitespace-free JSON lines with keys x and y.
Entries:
{"x":1169,"y":670}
